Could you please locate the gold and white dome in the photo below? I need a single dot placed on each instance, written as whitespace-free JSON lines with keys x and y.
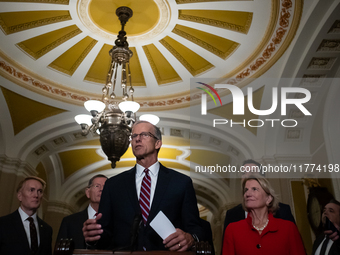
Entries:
{"x":62,"y":46}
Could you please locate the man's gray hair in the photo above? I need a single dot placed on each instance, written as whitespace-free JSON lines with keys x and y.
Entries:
{"x":157,"y":131}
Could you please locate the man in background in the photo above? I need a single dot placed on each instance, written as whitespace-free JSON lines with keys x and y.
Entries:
{"x":329,"y":242}
{"x":23,"y":232}
{"x":71,"y":226}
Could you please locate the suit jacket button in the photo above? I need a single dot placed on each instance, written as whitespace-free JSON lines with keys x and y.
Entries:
{"x":258,"y":246}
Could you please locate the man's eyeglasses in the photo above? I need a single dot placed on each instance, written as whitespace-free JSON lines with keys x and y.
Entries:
{"x":142,"y":135}
{"x":97,"y":186}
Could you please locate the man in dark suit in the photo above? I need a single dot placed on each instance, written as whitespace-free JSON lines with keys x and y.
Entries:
{"x":170,"y":192}
{"x":71,"y":226}
{"x":237,"y":213}
{"x":16,"y":236}
{"x":329,"y":242}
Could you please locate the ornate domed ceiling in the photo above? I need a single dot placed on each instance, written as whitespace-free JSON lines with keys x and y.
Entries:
{"x":62,"y":46}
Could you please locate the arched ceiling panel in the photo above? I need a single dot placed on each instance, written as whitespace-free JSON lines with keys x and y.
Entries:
{"x":215,"y":44}
{"x":103,"y":168}
{"x":232,"y":20}
{"x":40,"y":1}
{"x":69,"y":61}
{"x":136,"y":69}
{"x":28,"y":111}
{"x":71,"y":163}
{"x":42,"y":44}
{"x":161,"y":67}
{"x":13,"y":22}
{"x":100,"y":66}
{"x":193,"y":62}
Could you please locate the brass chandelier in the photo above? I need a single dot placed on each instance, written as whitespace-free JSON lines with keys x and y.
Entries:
{"x":111,"y":120}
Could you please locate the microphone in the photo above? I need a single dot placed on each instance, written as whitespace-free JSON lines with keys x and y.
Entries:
{"x":137,"y":221}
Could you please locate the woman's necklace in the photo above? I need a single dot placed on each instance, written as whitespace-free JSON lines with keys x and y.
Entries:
{"x":260,"y":229}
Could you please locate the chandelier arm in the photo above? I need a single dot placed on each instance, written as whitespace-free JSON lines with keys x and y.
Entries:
{"x":109,"y":74}
{"x":124,"y":75}
{"x":130,"y":81}
{"x":123,"y":81}
{"x":115,"y":77}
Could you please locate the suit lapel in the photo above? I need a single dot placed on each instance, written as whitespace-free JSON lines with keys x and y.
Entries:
{"x":317,"y":242}
{"x":20,"y":230}
{"x":42,"y":233}
{"x":130,"y":184}
{"x":161,"y":187}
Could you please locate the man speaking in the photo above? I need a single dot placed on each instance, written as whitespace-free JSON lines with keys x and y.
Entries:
{"x":141,"y":193}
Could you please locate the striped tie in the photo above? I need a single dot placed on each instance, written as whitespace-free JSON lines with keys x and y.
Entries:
{"x":144,"y":196}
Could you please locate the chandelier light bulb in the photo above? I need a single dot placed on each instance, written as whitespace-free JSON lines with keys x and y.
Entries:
{"x":129,"y":106}
{"x":83,"y":119}
{"x":153,"y":119}
{"x":94,"y":105}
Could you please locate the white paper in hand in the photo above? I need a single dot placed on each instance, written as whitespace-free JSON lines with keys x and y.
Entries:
{"x":162,"y":225}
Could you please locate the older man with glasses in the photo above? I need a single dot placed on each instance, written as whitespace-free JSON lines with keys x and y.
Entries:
{"x":132,"y":199}
{"x":71,"y":226}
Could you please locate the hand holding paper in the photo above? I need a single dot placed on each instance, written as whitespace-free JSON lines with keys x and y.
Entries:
{"x":174,"y":239}
{"x":162,"y":225}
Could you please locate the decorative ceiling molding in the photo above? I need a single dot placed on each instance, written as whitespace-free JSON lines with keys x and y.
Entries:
{"x":276,"y":42}
{"x":206,"y":45}
{"x":29,"y":25}
{"x":66,"y":2}
{"x":218,"y":23}
{"x":25,"y":80}
{"x":49,"y":47}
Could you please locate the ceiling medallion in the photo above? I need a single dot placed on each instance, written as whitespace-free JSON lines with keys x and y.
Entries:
{"x":161,"y":25}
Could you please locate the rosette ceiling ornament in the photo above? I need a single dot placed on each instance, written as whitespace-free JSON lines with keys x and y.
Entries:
{"x":113,"y":120}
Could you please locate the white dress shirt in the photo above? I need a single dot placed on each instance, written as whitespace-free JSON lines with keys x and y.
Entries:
{"x":154,"y":169}
{"x":26,"y":224}
{"x":91,"y":212}
{"x":329,"y":245}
